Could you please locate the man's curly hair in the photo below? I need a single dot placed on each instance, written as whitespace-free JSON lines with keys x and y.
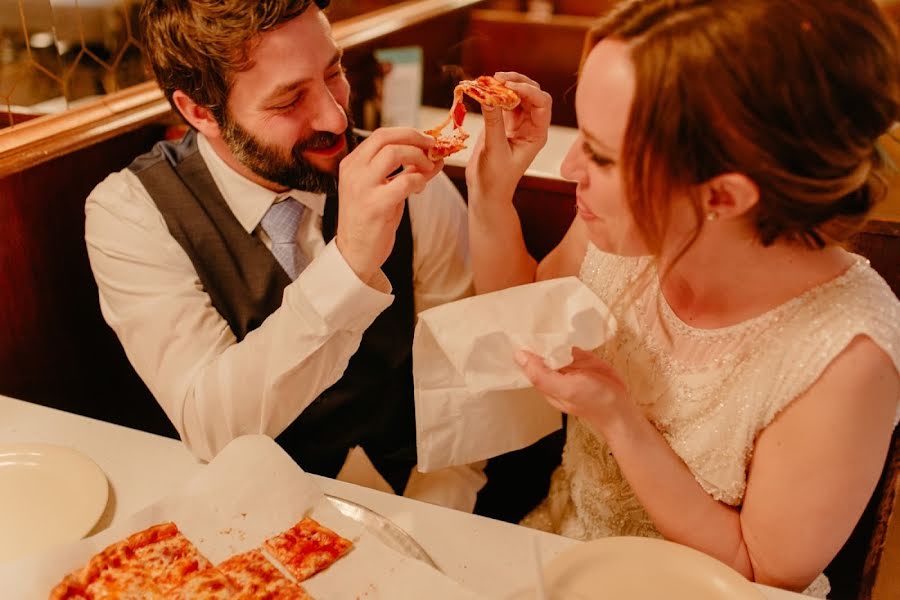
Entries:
{"x":197,"y":46}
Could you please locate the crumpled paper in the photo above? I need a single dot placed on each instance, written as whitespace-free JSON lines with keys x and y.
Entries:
{"x":473,"y":401}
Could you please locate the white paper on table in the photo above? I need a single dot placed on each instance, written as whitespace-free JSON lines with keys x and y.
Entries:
{"x":249,"y":492}
{"x":472,"y":400}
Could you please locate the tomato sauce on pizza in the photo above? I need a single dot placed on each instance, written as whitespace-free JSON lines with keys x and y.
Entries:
{"x":487,"y":91}
{"x":307,"y":548}
{"x":160,"y":562}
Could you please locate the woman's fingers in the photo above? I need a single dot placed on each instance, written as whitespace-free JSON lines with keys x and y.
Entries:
{"x":514,"y":77}
{"x":494,"y":127}
{"x":550,"y":382}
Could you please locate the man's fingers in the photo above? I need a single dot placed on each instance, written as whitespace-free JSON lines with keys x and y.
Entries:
{"x":387,"y":136}
{"x":392,"y":157}
{"x":410,"y":182}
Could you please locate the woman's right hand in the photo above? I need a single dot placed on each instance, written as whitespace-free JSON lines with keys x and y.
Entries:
{"x":510,"y":140}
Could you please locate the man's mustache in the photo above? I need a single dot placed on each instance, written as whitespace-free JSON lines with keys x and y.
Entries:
{"x":318,"y":141}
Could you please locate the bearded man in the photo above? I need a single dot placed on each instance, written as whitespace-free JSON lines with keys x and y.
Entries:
{"x":264,"y":273}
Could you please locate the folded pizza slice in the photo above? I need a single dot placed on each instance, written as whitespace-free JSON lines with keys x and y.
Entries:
{"x":488,"y":91}
{"x":307,"y":548}
{"x":255,"y":577}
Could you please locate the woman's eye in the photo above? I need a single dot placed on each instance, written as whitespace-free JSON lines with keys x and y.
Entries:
{"x":600,"y":161}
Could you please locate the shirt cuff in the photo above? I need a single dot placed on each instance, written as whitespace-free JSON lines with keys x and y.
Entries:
{"x":341,"y":298}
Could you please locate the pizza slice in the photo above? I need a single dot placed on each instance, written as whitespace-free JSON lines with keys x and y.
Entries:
{"x":127,"y":583}
{"x":148,"y":564}
{"x":167,"y":555}
{"x":255,"y":577}
{"x":488,"y":91}
{"x":208,"y":584}
{"x":307,"y":548}
{"x":70,"y":588}
{"x":445,"y":145}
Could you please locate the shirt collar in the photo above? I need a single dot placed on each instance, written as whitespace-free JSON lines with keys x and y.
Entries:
{"x":248,"y":200}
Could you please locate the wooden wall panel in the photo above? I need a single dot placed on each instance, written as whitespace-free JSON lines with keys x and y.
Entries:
{"x":440,"y":39}
{"x":547,"y":50}
{"x":55,"y":348}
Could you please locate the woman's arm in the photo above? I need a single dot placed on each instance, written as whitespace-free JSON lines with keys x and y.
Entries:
{"x":505,"y":149}
{"x":813,"y":470}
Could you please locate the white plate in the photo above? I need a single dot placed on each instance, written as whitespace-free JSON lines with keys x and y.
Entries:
{"x":48,"y":495}
{"x":640,"y":568}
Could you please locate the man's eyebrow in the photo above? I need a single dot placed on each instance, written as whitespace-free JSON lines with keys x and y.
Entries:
{"x":596,"y":141}
{"x":286,"y":88}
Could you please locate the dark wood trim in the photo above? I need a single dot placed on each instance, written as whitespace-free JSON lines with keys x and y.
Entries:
{"x":51,"y":136}
{"x":367,"y":28}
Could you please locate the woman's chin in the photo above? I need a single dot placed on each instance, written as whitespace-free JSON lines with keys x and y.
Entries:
{"x":614,"y":242}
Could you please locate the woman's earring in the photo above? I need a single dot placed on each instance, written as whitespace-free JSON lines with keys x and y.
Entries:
{"x":712,"y":215}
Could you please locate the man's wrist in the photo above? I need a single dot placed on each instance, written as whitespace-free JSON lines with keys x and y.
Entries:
{"x":362,"y":268}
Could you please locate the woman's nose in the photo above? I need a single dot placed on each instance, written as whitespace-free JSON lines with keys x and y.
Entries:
{"x":572,"y":166}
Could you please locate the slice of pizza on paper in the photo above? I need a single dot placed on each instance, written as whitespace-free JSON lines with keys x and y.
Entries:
{"x":487,"y":91}
{"x":256,"y":577}
{"x":208,"y":584}
{"x":307,"y":548}
{"x":151,"y":563}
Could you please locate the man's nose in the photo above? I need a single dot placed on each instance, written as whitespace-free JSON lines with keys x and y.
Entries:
{"x":328,"y":114}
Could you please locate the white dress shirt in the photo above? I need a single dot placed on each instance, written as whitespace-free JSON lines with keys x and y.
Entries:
{"x":215,"y":389}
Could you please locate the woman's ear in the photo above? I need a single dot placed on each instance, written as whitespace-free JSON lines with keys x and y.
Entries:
{"x":199,"y":117}
{"x":729,"y":196}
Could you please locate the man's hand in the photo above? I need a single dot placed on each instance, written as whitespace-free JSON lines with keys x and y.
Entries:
{"x":371,"y":200}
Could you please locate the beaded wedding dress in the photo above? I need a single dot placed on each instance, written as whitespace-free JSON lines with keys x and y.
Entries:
{"x":710,"y":392}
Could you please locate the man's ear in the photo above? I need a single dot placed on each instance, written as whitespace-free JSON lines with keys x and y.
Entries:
{"x":729,"y":196}
{"x":200,"y":117}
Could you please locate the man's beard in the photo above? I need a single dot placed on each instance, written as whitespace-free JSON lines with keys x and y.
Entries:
{"x":294,"y":171}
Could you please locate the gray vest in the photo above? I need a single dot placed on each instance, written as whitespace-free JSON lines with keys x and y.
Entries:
{"x":372,"y":404}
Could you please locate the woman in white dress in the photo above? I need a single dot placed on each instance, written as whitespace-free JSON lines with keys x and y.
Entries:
{"x":725,"y":150}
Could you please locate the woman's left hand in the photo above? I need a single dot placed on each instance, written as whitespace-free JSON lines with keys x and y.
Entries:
{"x":588,"y":388}
{"x":511,"y":139}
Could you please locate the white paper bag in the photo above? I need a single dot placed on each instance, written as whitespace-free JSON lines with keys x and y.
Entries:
{"x":472,"y":400}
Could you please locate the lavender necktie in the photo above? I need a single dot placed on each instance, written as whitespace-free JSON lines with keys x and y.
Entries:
{"x":280,"y":223}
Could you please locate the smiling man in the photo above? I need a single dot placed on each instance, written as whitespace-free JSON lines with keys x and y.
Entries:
{"x":264,"y":273}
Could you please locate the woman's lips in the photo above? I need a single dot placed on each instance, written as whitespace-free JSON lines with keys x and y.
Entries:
{"x":330,"y":151}
{"x":583,"y":211}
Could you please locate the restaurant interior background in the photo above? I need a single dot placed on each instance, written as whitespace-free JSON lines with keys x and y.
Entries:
{"x":77,"y":102}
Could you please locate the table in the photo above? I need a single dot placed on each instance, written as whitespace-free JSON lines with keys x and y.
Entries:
{"x":485,"y":555}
